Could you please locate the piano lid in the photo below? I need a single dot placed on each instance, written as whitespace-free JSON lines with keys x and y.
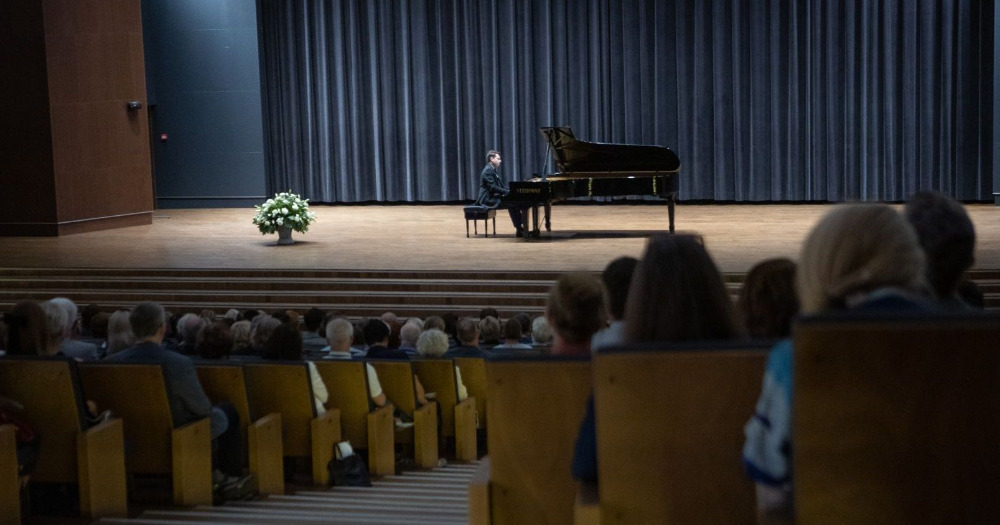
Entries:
{"x":579,"y":156}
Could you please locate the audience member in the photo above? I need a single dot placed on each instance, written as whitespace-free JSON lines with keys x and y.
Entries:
{"x":240,"y":332}
{"x":312,"y":340}
{"x":468,"y":341}
{"x":489,"y":332}
{"x":434,"y":322}
{"x":215,"y":341}
{"x":862,"y":257}
{"x":27,"y":329}
{"x":55,"y":329}
{"x":948,"y":238}
{"x":525,"y":320}
{"x":72,"y":347}
{"x":617,"y":276}
{"x":541,"y":332}
{"x":511,"y":337}
{"x":767,"y":302}
{"x":676,"y":294}
{"x":408,"y":335}
{"x":261,"y":329}
{"x":87,"y":314}
{"x":188,"y":327}
{"x":489,"y":312}
{"x":576,"y":311}
{"x":208,"y":316}
{"x":99,"y":328}
{"x":285,"y":344}
{"x":377,"y":338}
{"x":120,"y":334}
{"x":233,"y":315}
{"x":433,"y":344}
{"x":359,"y":349}
{"x":188,"y":401}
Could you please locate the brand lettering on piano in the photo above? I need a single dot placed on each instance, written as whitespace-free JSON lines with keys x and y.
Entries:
{"x":529,"y":190}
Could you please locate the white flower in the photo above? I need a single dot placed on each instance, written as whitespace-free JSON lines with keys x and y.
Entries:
{"x":280,"y":221}
{"x":284,"y":211}
{"x":295,"y":207}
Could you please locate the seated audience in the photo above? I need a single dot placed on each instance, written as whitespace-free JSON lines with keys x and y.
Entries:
{"x":188,"y":401}
{"x":285,"y":344}
{"x":188,"y":327}
{"x":489,"y":332}
{"x":312,"y":341}
{"x":676,"y":294}
{"x":435,"y":322}
{"x":119,"y":333}
{"x":208,"y":316}
{"x":432,"y":344}
{"x":408,"y":335}
{"x":525,"y":320}
{"x":27,"y":329}
{"x":767,"y":302}
{"x":541,"y":332}
{"x":617,"y":276}
{"x":87,"y":314}
{"x":488,"y":312}
{"x":511,"y":337}
{"x":861,"y":257}
{"x":467,"y":333}
{"x":377,"y":338}
{"x":948,"y":238}
{"x":99,"y":332}
{"x":340,"y":335}
{"x":240,"y":332}
{"x":575,"y":310}
{"x":261,"y":329}
{"x":70,"y":346}
{"x":215,"y":341}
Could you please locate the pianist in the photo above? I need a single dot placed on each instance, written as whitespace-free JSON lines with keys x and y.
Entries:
{"x":492,"y":187}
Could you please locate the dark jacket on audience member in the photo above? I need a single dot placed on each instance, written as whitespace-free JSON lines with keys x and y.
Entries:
{"x":381,"y":352}
{"x":466,"y":351}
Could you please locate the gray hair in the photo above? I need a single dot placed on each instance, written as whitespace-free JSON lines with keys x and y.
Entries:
{"x":69,"y":307}
{"x":55,"y":320}
{"x":541,"y":333}
{"x":338,"y":332}
{"x":408,"y":334}
{"x":432,"y":343}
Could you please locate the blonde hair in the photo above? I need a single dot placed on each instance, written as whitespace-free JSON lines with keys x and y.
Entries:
{"x":855,"y":249}
{"x":119,"y":332}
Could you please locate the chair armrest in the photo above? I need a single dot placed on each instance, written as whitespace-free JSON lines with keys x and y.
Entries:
{"x":100,"y":457}
{"x":192,"y":463}
{"x":465,"y":430}
{"x":381,"y":442}
{"x":587,"y":509}
{"x":479,"y":494}
{"x":266,"y":454}
{"x":325,"y":434}
{"x":10,"y":482}
{"x":425,"y":435}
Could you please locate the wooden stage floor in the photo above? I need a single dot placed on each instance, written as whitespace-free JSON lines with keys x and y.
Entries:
{"x":432,"y":237}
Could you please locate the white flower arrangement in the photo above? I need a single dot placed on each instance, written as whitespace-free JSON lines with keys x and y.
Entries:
{"x":285,"y":209}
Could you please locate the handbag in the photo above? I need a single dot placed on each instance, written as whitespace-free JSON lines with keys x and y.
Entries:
{"x":347,"y":469}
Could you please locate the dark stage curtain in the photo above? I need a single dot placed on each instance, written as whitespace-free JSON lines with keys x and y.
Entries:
{"x":809,"y":100}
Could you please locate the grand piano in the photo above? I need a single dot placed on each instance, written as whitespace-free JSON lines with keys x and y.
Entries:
{"x":593,"y":169}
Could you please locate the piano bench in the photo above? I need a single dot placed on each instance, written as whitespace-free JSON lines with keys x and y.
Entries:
{"x":480,"y":213}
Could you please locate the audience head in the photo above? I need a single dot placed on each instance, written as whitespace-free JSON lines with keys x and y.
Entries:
{"x":27,"y":329}
{"x":147,"y":322}
{"x":188,"y":327}
{"x":99,"y":324}
{"x":388,"y":318}
{"x":240,"y":332}
{"x":233,"y":315}
{"x":947,"y":236}
{"x":467,"y":332}
{"x":434,"y":321}
{"x":451,"y":324}
{"x":853,"y":250}
{"x":71,"y":312}
{"x":250,"y":315}
{"x":282,"y":316}
{"x":488,"y":312}
{"x":340,"y":335}
{"x":416,"y":321}
{"x":489,"y":330}
{"x":313,"y":318}
{"x":617,"y":276}
{"x":55,"y":327}
{"x":677,"y":294}
{"x":541,"y":333}
{"x":512,"y":331}
{"x":215,"y":341}
{"x":120,"y":334}
{"x":376,"y":332}
{"x":87,"y":314}
{"x":207,"y":315}
{"x":525,"y":321}
{"x":261,"y":329}
{"x":432,"y":343}
{"x":285,"y":343}
{"x":768,"y":301}
{"x":408,"y":335}
{"x":576,"y":307}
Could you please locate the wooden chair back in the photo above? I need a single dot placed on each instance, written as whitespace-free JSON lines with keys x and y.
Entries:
{"x":669,"y":423}
{"x":49,"y":390}
{"x":347,"y":383}
{"x":285,"y":388}
{"x":438,"y":376}
{"x":536,"y":406}
{"x":138,"y":395}
{"x":225,"y":383}
{"x":474,"y":377}
{"x":896,"y":420}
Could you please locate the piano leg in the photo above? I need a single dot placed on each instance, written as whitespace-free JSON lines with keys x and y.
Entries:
{"x":670,"y":212}
{"x":548,"y":213}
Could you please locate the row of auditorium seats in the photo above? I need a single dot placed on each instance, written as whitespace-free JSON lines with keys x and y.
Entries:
{"x":895,"y":421}
{"x":273,"y":400}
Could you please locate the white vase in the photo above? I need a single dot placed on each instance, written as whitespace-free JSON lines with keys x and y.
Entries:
{"x":285,"y":235}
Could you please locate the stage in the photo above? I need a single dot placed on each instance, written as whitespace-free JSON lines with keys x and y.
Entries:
{"x":432,"y":237}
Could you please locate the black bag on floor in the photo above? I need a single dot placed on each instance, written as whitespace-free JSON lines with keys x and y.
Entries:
{"x":347,"y":469}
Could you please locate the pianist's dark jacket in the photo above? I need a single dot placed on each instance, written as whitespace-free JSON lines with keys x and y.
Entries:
{"x":491,"y":188}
